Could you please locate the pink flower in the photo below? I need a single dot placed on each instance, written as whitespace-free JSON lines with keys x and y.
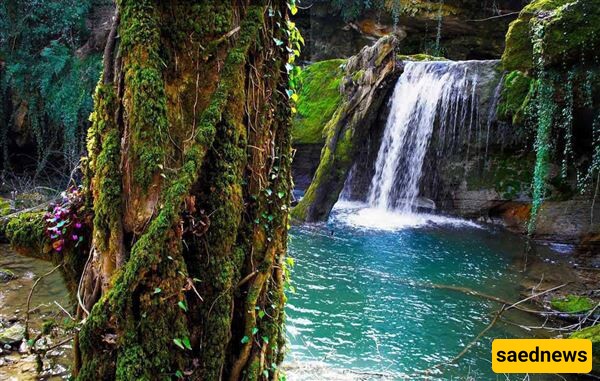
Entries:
{"x":74,"y":237}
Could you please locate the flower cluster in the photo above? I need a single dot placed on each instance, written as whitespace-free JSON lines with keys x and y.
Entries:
{"x":63,"y":225}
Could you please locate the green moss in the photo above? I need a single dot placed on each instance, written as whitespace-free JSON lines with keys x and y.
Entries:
{"x":144,"y":98}
{"x":4,"y":207}
{"x":593,"y":334}
{"x":514,"y":100}
{"x":319,"y":96}
{"x":508,"y":174}
{"x":104,"y":147}
{"x":419,"y":57}
{"x":572,"y":304}
{"x":333,"y":168}
{"x":26,"y":231}
{"x":358,"y":75}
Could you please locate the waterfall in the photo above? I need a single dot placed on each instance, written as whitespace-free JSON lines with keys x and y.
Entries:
{"x":440,"y":98}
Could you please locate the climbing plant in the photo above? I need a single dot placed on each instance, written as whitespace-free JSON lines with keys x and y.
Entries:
{"x":545,"y":114}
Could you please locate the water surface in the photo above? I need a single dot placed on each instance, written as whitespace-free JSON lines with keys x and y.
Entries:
{"x":361,"y":310}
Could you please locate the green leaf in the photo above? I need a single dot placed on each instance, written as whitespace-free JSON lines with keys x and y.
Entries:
{"x":266,"y":339}
{"x":245,"y":339}
{"x":281,"y":194}
{"x":261,"y":314}
{"x":182,"y":305}
{"x":187,"y":344}
{"x":157,"y":290}
{"x":268,"y":191}
{"x":179,"y":374}
{"x":178,"y":343}
{"x":278,"y":42}
{"x":254,"y":331}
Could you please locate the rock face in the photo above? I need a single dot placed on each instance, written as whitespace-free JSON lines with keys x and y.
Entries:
{"x":367,"y":79}
{"x":469,"y":30}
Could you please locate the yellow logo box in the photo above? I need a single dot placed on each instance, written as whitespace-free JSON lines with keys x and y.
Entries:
{"x":542,"y":356}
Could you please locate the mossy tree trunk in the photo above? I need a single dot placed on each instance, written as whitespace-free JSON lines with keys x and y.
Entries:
{"x":188,"y":179}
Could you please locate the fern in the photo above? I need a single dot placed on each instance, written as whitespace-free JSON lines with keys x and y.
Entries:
{"x":38,"y":43}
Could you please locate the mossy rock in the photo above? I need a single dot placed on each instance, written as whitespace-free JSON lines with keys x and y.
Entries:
{"x":6,"y":275}
{"x":13,"y":334}
{"x":593,"y":334}
{"x":572,"y":304}
{"x":514,"y":99}
{"x":419,"y":57}
{"x":571,"y":27}
{"x":26,"y":232}
{"x":319,"y":97}
{"x":508,"y":174}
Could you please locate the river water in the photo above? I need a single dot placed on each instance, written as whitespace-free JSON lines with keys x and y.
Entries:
{"x":363,"y":309}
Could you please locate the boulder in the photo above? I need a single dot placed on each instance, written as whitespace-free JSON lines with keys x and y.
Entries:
{"x":12,"y":334}
{"x":6,"y":275}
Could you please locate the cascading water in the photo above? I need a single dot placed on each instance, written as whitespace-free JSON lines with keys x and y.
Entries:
{"x":438,"y":101}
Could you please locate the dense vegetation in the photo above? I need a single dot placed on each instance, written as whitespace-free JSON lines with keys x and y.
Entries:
{"x":45,"y":81}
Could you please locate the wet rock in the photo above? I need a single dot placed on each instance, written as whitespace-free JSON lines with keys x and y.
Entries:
{"x":6,"y":275}
{"x":12,"y":335}
{"x":367,"y":79}
{"x":331,"y":32}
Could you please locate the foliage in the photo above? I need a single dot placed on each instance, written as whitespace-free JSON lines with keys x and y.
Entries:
{"x":44,"y":74}
{"x":4,"y":207}
{"x":545,"y":108}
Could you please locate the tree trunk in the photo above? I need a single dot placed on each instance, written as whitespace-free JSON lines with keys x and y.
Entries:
{"x":188,"y":181}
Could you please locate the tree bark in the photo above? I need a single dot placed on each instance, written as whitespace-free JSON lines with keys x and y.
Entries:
{"x":187,"y":182}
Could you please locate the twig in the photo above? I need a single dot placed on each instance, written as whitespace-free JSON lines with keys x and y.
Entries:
{"x":46,"y":350}
{"x":246,"y":278}
{"x":32,"y":209}
{"x":29,"y":298}
{"x":494,"y":17}
{"x":486,"y":329}
{"x":473,"y":342}
{"x":81,"y":280}
{"x":536,"y":295}
{"x":64,"y":310}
